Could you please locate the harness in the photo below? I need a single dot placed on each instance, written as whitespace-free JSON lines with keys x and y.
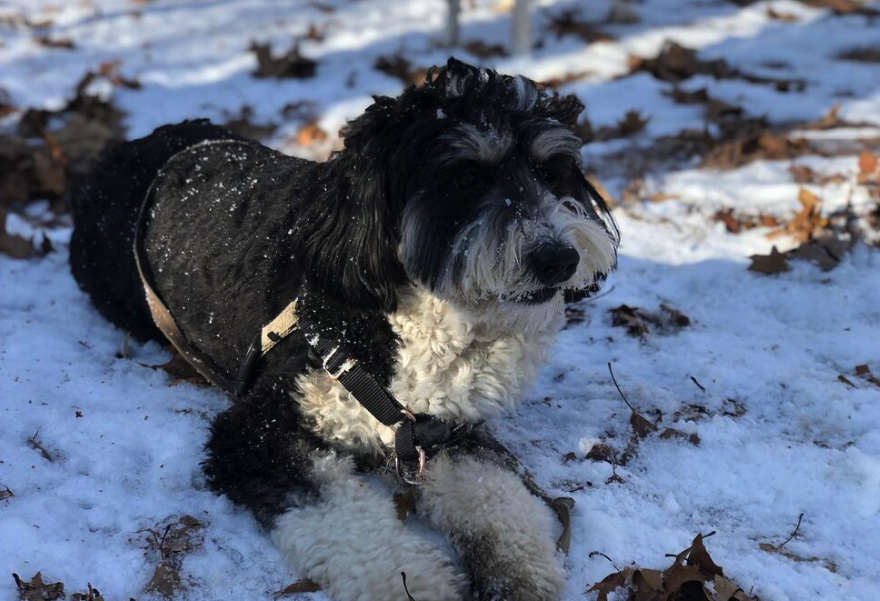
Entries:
{"x":417,"y":435}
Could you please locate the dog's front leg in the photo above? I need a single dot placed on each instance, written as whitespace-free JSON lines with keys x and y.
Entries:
{"x":351,"y":542}
{"x":503,"y":534}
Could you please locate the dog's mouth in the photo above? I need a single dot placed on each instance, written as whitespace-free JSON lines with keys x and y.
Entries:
{"x":537,"y":297}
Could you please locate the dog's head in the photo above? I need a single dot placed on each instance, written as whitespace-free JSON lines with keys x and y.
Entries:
{"x":469,"y":186}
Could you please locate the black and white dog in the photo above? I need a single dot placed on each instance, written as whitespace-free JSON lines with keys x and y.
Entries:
{"x":437,"y":244}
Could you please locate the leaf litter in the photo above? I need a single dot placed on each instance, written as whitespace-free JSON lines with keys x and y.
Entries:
{"x":693,"y":576}
{"x":171,"y":540}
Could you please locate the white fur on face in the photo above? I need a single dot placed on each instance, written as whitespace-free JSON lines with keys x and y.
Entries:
{"x":496,"y":272}
{"x":352,"y":543}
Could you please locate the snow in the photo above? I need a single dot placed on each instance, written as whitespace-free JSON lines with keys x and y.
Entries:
{"x":126,"y":447}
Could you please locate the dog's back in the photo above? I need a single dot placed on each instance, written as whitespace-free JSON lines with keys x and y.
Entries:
{"x":105,"y":210}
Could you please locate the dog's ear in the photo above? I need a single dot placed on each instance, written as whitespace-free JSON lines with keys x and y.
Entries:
{"x":348,"y":231}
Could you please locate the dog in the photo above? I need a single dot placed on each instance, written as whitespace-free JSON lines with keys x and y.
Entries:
{"x":432,"y":253}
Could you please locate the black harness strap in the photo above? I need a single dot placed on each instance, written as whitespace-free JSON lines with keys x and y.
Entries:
{"x":416,"y":436}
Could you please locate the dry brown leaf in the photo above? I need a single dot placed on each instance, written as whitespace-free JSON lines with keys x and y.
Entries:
{"x":641,"y":425}
{"x":843,"y":7}
{"x":92,"y":594}
{"x":300,"y":586}
{"x":567,"y":23}
{"x":243,"y":125}
{"x":648,"y":584}
{"x":179,"y":369}
{"x":37,"y":590}
{"x":291,"y":64}
{"x":825,"y":251}
{"x":861,"y":55}
{"x":310,"y":133}
{"x":555,"y":82}
{"x":171,"y":540}
{"x":845,"y":380}
{"x":610,"y":583}
{"x":862,"y":370}
{"x":481,"y":49}
{"x":165,"y":581}
{"x":780,"y":16}
{"x":700,"y":558}
{"x":770,"y":264}
{"x":679,"y":574}
{"x":14,"y":245}
{"x":807,"y":222}
{"x":601,"y":452}
{"x":668,"y":433}
{"x":400,"y":67}
{"x":6,"y":493}
{"x":867,"y":163}
{"x":725,"y":590}
{"x":63,"y":43}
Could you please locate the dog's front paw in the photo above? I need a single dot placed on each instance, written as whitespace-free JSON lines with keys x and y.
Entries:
{"x":351,"y":542}
{"x":503,"y":534}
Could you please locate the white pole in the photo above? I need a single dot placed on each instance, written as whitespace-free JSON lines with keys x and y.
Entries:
{"x":450,"y":37}
{"x":522,"y":28}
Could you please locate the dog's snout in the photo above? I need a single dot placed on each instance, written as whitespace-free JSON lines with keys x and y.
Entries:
{"x":554,"y":264}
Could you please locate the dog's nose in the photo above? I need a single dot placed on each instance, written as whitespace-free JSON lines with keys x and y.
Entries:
{"x":554,"y":264}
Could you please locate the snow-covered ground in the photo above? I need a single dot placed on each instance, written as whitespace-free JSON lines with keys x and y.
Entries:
{"x":780,"y":434}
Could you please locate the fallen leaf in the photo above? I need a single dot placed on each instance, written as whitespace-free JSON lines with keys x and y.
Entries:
{"x":843,"y":7}
{"x":300,"y":586}
{"x":700,"y":558}
{"x":63,"y":43}
{"x":37,"y":590}
{"x":291,"y":64}
{"x":6,"y":493}
{"x":826,"y":252}
{"x":243,"y":125}
{"x":481,"y":49}
{"x":567,"y":23}
{"x":862,"y":370}
{"x":610,"y":583}
{"x":641,"y":425}
{"x":845,"y":380}
{"x":165,"y":581}
{"x":677,"y":318}
{"x":310,"y":133}
{"x":668,"y":433}
{"x":179,"y":369}
{"x":35,"y":444}
{"x":780,"y":16}
{"x":861,"y":55}
{"x":867,"y":163}
{"x":400,"y":67}
{"x":92,"y":594}
{"x":648,"y":584}
{"x":725,"y":590}
{"x":601,"y":452}
{"x":14,"y":245}
{"x":770,"y":264}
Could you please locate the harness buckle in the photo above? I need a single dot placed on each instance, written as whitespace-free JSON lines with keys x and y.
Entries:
{"x":343,"y":369}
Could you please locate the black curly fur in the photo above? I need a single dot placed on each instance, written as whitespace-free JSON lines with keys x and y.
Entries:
{"x":236,"y":230}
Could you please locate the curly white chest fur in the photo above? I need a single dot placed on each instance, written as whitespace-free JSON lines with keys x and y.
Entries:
{"x":450,"y":365}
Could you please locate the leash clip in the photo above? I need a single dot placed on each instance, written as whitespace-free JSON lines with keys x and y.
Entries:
{"x":419,"y":477}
